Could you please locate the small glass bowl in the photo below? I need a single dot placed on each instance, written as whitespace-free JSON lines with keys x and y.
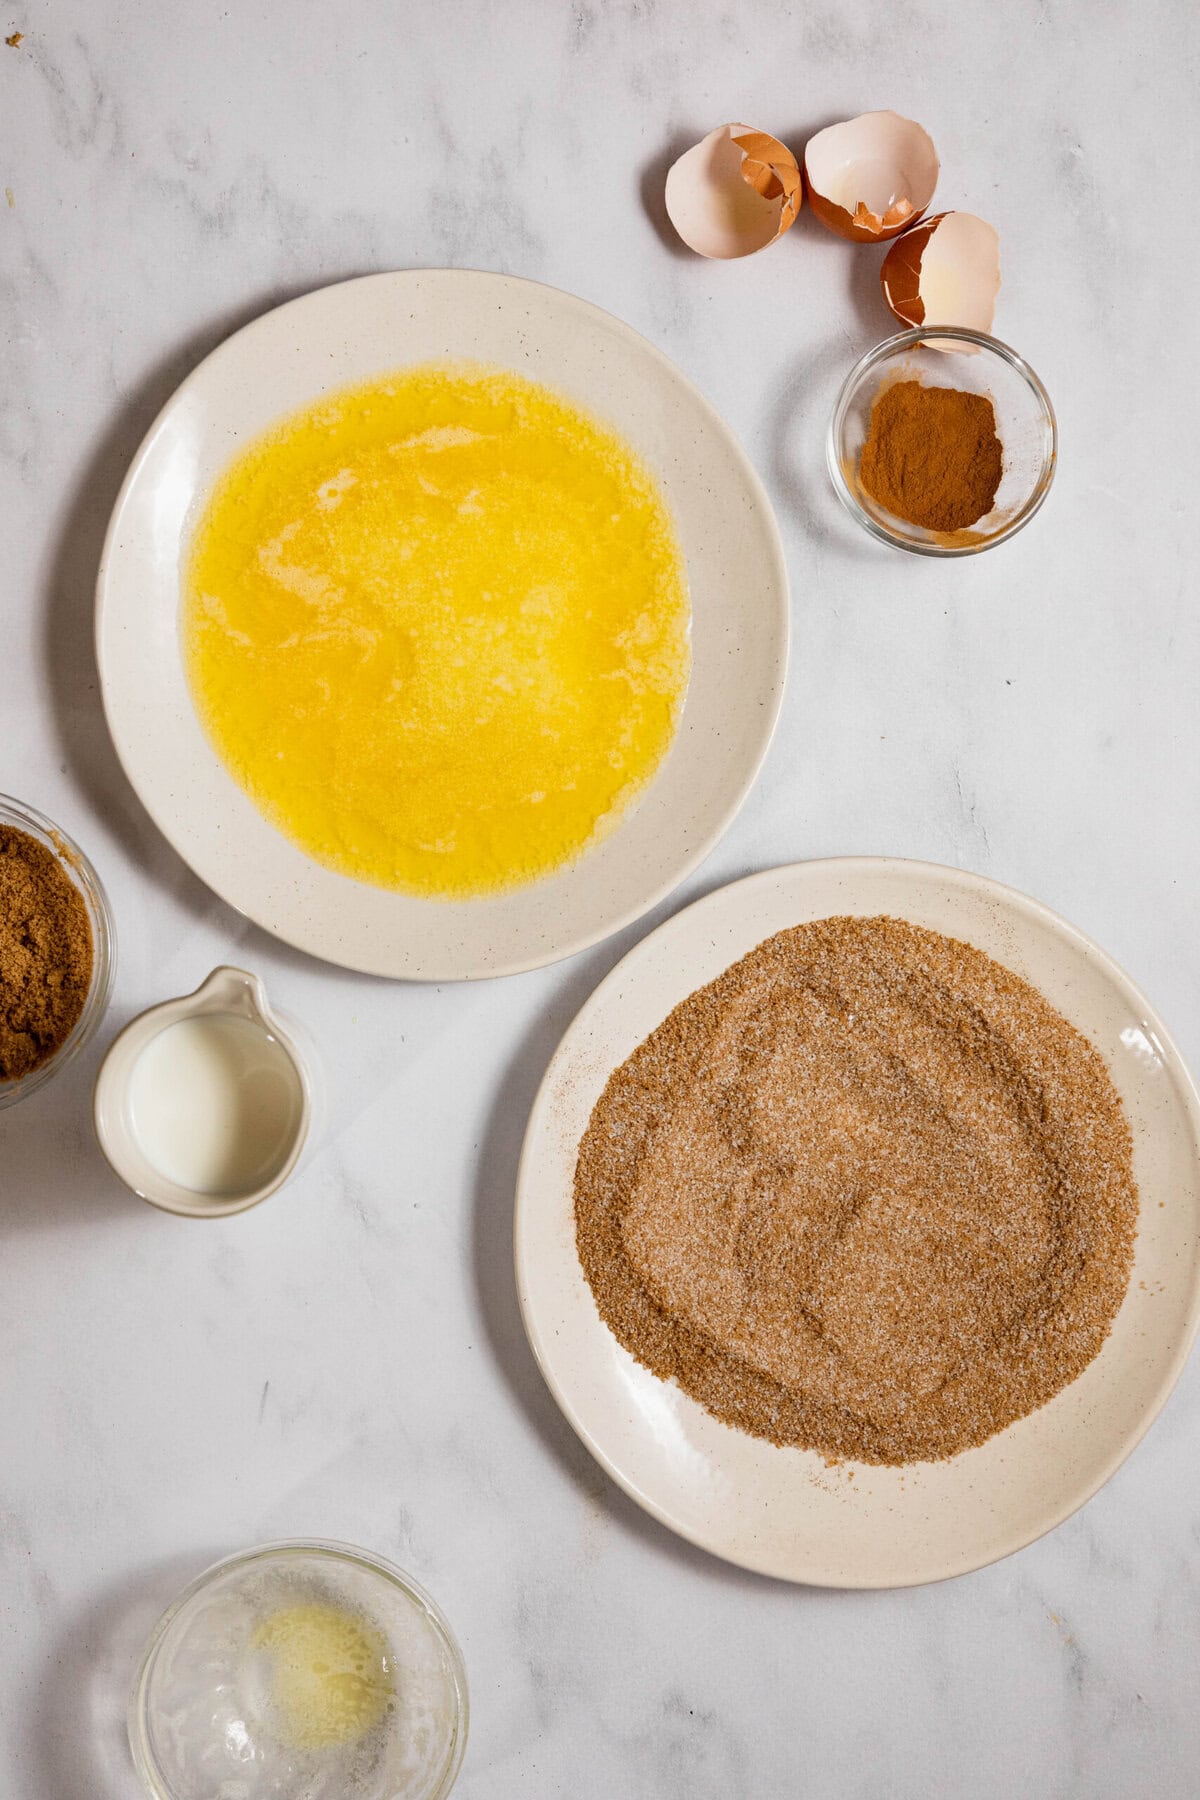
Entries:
{"x":104,"y":944}
{"x":1025,"y":425}
{"x":200,"y":1713}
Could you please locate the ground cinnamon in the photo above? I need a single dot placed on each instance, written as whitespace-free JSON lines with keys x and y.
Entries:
{"x":45,"y":953}
{"x":867,"y":1193}
{"x":932,"y":456}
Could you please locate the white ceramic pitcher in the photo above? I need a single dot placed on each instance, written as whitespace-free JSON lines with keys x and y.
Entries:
{"x":228,"y":992}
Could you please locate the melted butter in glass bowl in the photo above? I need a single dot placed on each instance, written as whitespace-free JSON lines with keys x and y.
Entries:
{"x":309,"y":1670}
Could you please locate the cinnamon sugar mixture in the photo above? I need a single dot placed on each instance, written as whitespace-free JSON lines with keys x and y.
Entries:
{"x":867,"y":1193}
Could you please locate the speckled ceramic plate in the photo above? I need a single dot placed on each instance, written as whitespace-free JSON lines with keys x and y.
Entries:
{"x":782,"y":1511}
{"x":735,"y":566}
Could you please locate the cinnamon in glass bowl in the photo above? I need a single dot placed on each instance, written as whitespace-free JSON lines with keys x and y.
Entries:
{"x":943,"y":442}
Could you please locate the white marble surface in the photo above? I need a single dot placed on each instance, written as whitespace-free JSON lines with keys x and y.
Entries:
{"x":347,"y":1360}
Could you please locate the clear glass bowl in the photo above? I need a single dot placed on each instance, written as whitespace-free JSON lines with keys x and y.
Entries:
{"x":104,"y":944}
{"x":1025,"y":425}
{"x":208,"y":1715}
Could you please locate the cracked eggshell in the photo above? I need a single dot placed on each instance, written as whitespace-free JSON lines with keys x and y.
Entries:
{"x":945,"y":271}
{"x":869,"y":178}
{"x":734,"y":192}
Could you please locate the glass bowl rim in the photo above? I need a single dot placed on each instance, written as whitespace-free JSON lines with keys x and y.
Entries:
{"x":894,"y":346}
{"x":82,"y":872}
{"x":146,"y":1762}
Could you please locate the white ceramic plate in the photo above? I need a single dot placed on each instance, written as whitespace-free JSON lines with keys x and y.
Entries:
{"x":782,"y":1511}
{"x":735,"y":566}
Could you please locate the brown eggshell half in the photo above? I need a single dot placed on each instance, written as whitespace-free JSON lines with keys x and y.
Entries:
{"x":734,"y":192}
{"x":869,"y":178}
{"x":946,"y":271}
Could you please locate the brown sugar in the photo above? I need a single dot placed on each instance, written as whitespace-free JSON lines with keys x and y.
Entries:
{"x":867,"y":1193}
{"x":45,"y":953}
{"x":932,"y":456}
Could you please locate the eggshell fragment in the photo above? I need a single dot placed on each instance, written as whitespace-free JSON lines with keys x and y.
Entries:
{"x":869,"y":178}
{"x":945,"y":271}
{"x":734,"y":192}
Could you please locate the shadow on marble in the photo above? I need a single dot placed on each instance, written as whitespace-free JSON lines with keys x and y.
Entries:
{"x":53,"y":1175}
{"x":798,"y":477}
{"x":495,"y":1188}
{"x":864,"y":291}
{"x":77,"y":1707}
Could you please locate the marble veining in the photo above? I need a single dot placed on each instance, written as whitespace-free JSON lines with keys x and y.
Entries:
{"x":347,"y":1360}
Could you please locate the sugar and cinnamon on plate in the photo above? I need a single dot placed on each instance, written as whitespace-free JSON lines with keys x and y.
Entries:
{"x":868,"y":1193}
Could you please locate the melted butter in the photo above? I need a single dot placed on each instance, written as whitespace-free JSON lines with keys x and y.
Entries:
{"x":437,"y":627}
{"x":331,"y":1677}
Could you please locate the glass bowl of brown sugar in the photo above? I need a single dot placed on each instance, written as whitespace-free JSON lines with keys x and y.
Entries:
{"x":943,"y":441}
{"x":57,"y":950}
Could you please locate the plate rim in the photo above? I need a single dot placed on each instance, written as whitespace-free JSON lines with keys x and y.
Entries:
{"x":1007,"y":896}
{"x":769,"y":712}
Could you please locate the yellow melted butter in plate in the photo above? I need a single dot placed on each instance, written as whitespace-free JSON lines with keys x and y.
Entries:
{"x":438,"y":628}
{"x":332,"y":1678}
